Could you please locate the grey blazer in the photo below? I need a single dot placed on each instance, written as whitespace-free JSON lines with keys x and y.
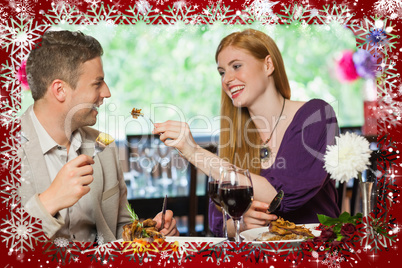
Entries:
{"x":108,"y":189}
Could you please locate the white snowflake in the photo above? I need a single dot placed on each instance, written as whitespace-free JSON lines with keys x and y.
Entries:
{"x":387,"y":6}
{"x":179,"y":4}
{"x":62,"y":14}
{"x":61,"y":242}
{"x":99,"y":14}
{"x":3,"y":15}
{"x":61,"y":4}
{"x":262,"y":6}
{"x":164,"y":255}
{"x":161,"y":2}
{"x":332,"y":260}
{"x":21,"y":231}
{"x":100,"y":239}
{"x":143,"y":6}
{"x":104,"y":252}
{"x":19,"y":37}
{"x":23,"y":8}
{"x":93,"y":2}
{"x":9,"y":193}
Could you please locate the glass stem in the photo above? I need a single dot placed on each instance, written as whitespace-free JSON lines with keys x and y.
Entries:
{"x":224,"y":227}
{"x":237,"y":226}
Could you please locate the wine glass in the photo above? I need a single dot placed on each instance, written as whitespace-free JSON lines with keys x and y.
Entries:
{"x":163,"y":157}
{"x":148,"y":163}
{"x":213,"y":193}
{"x":236,"y":192}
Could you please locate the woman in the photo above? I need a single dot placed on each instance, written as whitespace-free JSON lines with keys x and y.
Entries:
{"x":281,"y":142}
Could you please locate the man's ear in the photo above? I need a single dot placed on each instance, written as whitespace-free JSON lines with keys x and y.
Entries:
{"x":58,"y":90}
{"x":269,"y":66}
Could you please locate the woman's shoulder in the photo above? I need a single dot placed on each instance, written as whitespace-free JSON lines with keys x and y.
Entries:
{"x":312,"y":106}
{"x":312,"y":111}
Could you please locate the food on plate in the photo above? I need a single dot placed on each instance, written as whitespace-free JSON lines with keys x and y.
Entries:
{"x":136,"y":112}
{"x":104,"y":139}
{"x":285,"y":230}
{"x":141,"y":232}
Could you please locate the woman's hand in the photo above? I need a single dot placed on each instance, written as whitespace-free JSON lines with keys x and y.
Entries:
{"x":176,"y":134}
{"x":257,"y":216}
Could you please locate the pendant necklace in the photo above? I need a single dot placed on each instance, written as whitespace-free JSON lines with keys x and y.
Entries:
{"x":265,"y":151}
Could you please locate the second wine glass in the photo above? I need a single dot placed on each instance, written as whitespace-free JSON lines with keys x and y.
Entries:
{"x":236,"y":193}
{"x":213,"y":192}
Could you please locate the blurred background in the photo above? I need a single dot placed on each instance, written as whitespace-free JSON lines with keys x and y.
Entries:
{"x":170,"y":72}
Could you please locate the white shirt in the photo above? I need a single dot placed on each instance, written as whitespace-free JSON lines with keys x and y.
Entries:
{"x":79,"y":219}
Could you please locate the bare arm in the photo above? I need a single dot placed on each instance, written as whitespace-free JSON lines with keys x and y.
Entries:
{"x":177,"y":134}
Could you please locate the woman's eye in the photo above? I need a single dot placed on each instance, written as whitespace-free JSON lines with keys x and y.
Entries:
{"x":236,"y":66}
{"x":221,"y":73}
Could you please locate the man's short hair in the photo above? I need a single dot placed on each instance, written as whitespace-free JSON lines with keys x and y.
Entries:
{"x":59,"y":56}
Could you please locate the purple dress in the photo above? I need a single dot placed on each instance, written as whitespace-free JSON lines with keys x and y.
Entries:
{"x":298,"y":169}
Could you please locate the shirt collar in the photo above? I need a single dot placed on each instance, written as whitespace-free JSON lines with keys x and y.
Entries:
{"x":46,"y":141}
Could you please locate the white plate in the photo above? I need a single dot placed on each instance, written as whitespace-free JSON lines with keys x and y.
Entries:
{"x":252,"y":234}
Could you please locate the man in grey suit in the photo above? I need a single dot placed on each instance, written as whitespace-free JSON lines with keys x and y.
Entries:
{"x":75,"y":196}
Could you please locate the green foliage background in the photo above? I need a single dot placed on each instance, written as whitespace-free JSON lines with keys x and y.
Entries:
{"x":170,"y":72}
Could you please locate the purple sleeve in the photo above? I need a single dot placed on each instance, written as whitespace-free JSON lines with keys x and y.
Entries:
{"x":215,"y":220}
{"x":299,"y":167}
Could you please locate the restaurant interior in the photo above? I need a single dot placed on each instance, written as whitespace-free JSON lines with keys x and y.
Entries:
{"x":171,"y":74}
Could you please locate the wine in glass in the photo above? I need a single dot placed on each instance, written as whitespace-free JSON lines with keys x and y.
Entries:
{"x":236,"y":193}
{"x":213,"y":193}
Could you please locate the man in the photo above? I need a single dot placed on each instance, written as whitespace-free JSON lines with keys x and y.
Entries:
{"x":75,"y":196}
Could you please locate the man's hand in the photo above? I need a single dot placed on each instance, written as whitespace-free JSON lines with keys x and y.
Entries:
{"x":170,"y":228}
{"x":70,"y":184}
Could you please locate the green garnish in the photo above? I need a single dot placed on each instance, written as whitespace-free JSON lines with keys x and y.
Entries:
{"x":144,"y":233}
{"x":133,"y":215}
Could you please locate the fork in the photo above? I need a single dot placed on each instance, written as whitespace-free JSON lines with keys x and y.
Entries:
{"x":163,"y":212}
{"x":144,"y":116}
{"x":150,"y":120}
{"x":99,"y":147}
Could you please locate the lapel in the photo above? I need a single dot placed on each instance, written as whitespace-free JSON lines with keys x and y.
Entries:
{"x":96,"y":186}
{"x":34,"y":156}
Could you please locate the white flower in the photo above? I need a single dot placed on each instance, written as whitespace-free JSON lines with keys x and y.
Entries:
{"x":348,"y":157}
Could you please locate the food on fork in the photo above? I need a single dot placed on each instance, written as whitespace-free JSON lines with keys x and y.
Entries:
{"x":101,"y":142}
{"x":136,"y":112}
{"x":104,"y":139}
{"x":285,"y":230}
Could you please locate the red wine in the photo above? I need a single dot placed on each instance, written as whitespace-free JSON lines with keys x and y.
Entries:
{"x":213,"y":187}
{"x":236,"y":199}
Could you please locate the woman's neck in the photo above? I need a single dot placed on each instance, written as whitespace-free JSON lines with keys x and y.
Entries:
{"x":266,"y":112}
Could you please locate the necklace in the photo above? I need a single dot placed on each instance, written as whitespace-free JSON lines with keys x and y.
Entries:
{"x":265,"y":151}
